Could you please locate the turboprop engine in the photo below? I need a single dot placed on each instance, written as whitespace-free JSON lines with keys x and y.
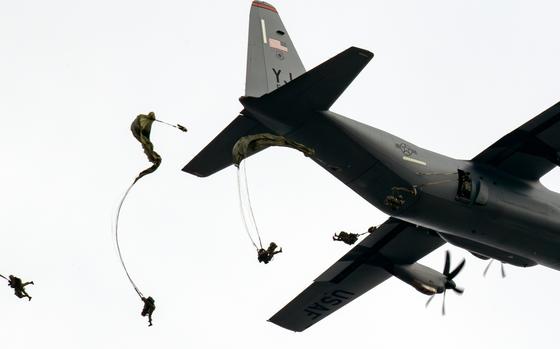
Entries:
{"x":426,"y":280}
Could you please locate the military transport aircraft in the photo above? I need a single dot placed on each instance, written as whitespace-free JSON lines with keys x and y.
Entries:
{"x":494,"y":205}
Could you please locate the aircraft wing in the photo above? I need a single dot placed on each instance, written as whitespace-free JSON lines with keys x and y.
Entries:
{"x":356,"y":272}
{"x":531,"y":150}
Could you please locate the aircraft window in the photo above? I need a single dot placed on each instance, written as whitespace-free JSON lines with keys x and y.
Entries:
{"x":279,"y":32}
{"x":465,"y":187}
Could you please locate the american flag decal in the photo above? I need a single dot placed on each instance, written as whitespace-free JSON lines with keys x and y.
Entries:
{"x":277,"y":44}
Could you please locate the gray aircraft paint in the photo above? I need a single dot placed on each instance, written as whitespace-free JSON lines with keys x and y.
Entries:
{"x":268,"y":69}
{"x":512,"y":218}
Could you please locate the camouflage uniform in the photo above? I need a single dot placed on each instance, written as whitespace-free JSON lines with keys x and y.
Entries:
{"x":19,"y":286}
{"x":265,"y":256}
{"x":149,"y":307}
{"x":347,"y":238}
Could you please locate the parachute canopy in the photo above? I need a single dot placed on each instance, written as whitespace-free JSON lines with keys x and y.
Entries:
{"x":141,"y":128}
{"x":252,"y":144}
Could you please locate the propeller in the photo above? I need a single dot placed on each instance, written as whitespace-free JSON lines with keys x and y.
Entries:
{"x":449,"y":276}
{"x":488,"y":267}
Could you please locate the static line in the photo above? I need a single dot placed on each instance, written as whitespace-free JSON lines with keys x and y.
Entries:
{"x":117,"y":240}
{"x":239,"y":169}
{"x":263,"y":27}
{"x":252,"y":216}
{"x":419,"y":162}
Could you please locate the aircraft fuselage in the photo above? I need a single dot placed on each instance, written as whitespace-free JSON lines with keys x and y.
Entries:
{"x":501,"y":217}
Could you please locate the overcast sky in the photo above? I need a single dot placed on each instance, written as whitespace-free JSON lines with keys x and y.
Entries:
{"x":449,"y":76}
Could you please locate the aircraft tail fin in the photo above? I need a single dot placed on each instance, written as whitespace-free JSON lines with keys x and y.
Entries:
{"x":272,"y":59}
{"x":282,"y":110}
{"x":280,"y":95}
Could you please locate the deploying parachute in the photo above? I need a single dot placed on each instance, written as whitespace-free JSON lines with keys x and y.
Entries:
{"x":249,"y":145}
{"x":141,"y":128}
{"x":243,"y":148}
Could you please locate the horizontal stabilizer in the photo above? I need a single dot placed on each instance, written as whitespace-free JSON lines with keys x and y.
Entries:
{"x":218,"y":154}
{"x":282,"y":110}
{"x":320,"y":87}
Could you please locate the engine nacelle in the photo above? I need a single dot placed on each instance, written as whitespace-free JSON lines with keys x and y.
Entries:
{"x":424,"y":279}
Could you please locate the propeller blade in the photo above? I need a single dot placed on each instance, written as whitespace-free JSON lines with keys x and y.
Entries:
{"x":456,"y":270}
{"x":443,"y":305}
{"x":503,"y":271}
{"x":429,"y":300}
{"x":487,"y":267}
{"x":458,"y":290}
{"x":447,"y":263}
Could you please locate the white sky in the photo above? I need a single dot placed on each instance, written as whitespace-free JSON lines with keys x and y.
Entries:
{"x":449,"y":76}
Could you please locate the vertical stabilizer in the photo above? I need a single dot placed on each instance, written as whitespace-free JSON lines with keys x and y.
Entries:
{"x":272,"y":62}
{"x":272,"y":59}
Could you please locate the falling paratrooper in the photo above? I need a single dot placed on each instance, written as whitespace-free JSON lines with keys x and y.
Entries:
{"x":397,"y":199}
{"x":18,"y":285}
{"x":265,"y":256}
{"x":148,"y":309}
{"x":351,"y":238}
{"x":243,"y":148}
{"x":141,"y":129}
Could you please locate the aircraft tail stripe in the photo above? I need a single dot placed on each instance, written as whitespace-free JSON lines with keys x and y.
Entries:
{"x":265,"y":6}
